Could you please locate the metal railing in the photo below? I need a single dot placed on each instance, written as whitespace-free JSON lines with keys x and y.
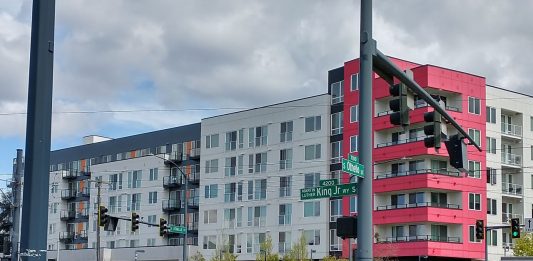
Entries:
{"x":419,"y":205}
{"x":419,"y":171}
{"x":68,"y":193}
{"x":192,"y":226}
{"x":194,"y":153}
{"x":193,"y":201}
{"x":69,"y":174}
{"x":448,"y":108}
{"x":194,"y":177}
{"x":83,"y":213}
{"x":506,"y":217}
{"x":67,"y":215}
{"x":511,"y":159}
{"x":175,"y":155}
{"x":511,"y":129}
{"x":66,"y":236}
{"x":171,"y":204}
{"x":403,"y":141}
{"x":84,"y":192}
{"x":81,"y":235}
{"x":418,"y":238}
{"x":172,"y":181}
{"x":512,"y":189}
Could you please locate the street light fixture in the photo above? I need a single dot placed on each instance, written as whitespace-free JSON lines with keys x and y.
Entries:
{"x":186,"y":197}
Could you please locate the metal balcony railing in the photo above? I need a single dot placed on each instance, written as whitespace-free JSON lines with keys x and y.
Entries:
{"x":511,"y":159}
{"x":419,"y":171}
{"x":172,"y":181}
{"x":420,"y":105}
{"x":512,"y":129}
{"x":171,"y":204}
{"x":194,"y":177}
{"x":419,"y":238}
{"x":192,"y":226}
{"x":403,"y":141}
{"x":66,"y":215}
{"x":195,"y":153}
{"x":84,"y":192}
{"x":419,"y":205}
{"x":194,"y":202}
{"x":175,"y":156}
{"x":66,"y":236}
{"x":68,"y":194}
{"x":70,"y":174}
{"x":81,"y":235}
{"x":512,"y":189}
{"x":83,"y":213}
{"x":506,"y":217}
{"x":285,"y":136}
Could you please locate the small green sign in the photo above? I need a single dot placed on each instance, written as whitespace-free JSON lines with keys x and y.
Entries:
{"x":177,"y":229}
{"x":328,"y":191}
{"x":329,"y":182}
{"x":353,"y":168}
{"x":353,"y":158}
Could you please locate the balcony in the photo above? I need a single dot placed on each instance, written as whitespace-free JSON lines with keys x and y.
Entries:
{"x":418,"y":205}
{"x":172,"y":181}
{"x":69,"y":174}
{"x":511,"y":130}
{"x":403,"y":141}
{"x":512,"y":189}
{"x":511,"y":159}
{"x":192,"y":227}
{"x":83,"y":213}
{"x":67,"y":215}
{"x":418,"y":172}
{"x":175,"y":156}
{"x":66,"y":236}
{"x":194,"y":154}
{"x":68,"y":194}
{"x":84,"y":192}
{"x":506,"y":217}
{"x":171,"y":205}
{"x":194,"y":177}
{"x":193,"y":202}
{"x":421,"y":238}
{"x":82,"y":235}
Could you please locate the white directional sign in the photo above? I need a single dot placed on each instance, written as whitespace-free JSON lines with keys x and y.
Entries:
{"x":528,"y":225}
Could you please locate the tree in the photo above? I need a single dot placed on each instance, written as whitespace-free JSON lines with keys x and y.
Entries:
{"x":298,"y":251}
{"x":266,"y":249}
{"x":5,"y":212}
{"x":223,"y":251}
{"x":333,"y":258}
{"x":197,"y":257}
{"x":523,"y":246}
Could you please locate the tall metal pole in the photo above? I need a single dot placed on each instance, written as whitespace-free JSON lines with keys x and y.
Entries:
{"x":38,"y":129}
{"x":486,"y":243}
{"x":16,"y":188}
{"x":98,"y":203}
{"x":365,"y":235}
{"x":185,"y":214}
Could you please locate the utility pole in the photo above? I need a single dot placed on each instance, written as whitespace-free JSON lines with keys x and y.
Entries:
{"x":365,"y":237}
{"x":16,"y":192}
{"x":38,"y":130}
{"x":98,"y":202}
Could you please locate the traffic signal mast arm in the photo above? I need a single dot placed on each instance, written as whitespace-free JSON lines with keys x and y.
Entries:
{"x":385,"y":68}
{"x":129,"y":219}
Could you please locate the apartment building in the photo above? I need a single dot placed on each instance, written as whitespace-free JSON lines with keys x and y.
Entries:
{"x":253,"y":164}
{"x":509,"y":145}
{"x":139,"y":174}
{"x":422,"y":206}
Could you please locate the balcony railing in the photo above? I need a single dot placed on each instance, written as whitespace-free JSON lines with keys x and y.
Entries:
{"x":194,"y":153}
{"x":511,"y":159}
{"x":84,"y":192}
{"x":285,"y":136}
{"x":175,"y":156}
{"x":403,"y":141}
{"x":419,"y":238}
{"x":506,"y":217}
{"x":419,"y":205}
{"x":194,"y":202}
{"x":67,"y":215}
{"x":171,"y":204}
{"x":419,"y":171}
{"x":512,"y":129}
{"x":194,"y":177}
{"x":81,"y":235}
{"x":172,"y":181}
{"x":70,"y":174}
{"x":512,"y":189}
{"x":68,"y":194}
{"x":193,"y":226}
{"x":66,"y":236}
{"x":83,"y":213}
{"x":420,"y":105}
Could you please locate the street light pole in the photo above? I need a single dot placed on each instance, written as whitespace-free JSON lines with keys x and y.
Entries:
{"x":186,"y":187}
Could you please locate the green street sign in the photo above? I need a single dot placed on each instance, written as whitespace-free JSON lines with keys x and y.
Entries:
{"x":353,"y":168}
{"x":328,"y":191}
{"x":328,"y":182}
{"x":177,"y":229}
{"x":353,"y":158}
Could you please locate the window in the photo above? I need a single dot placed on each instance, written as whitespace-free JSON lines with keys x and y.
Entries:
{"x":285,"y":186}
{"x":286,"y":131}
{"x":353,"y":205}
{"x":472,"y":234}
{"x":229,"y":218}
{"x":312,"y":152}
{"x":260,"y":162}
{"x":211,"y":191}
{"x":211,"y":166}
{"x":474,"y":169}
{"x":474,"y":201}
{"x":150,"y":242}
{"x":474,"y":105}
{"x":491,"y":206}
{"x":285,"y":213}
{"x":210,"y":242}
{"x":54,"y":187}
{"x":260,"y":189}
{"x":152,"y":219}
{"x":284,"y":242}
{"x":354,"y":82}
{"x":531,"y":123}
{"x":476,"y":135}
{"x":152,"y":197}
{"x":336,"y":152}
{"x":337,"y":92}
{"x":335,"y":207}
{"x":439,"y":166}
{"x":258,"y":136}
{"x":312,"y":123}
{"x":312,"y":180}
{"x":211,"y":141}
{"x":285,"y":159}
{"x":335,"y":242}
{"x":354,"y":113}
{"x":491,"y":145}
{"x":491,"y":176}
{"x":257,"y":216}
{"x":336,"y":123}
{"x":231,"y":140}
{"x":134,"y":179}
{"x":51,"y":229}
{"x":210,"y":216}
{"x":231,"y":167}
{"x":136,"y":202}
{"x":491,"y":114}
{"x":492,"y":237}
{"x":438,"y":232}
{"x":154,"y":174}
{"x":312,"y":209}
{"x":353,"y":143}
{"x":312,"y":237}
{"x":229,"y":192}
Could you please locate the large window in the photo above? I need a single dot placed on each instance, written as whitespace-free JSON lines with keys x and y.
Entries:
{"x":210,"y":216}
{"x":474,"y":169}
{"x":337,"y":92}
{"x":231,"y":140}
{"x":257,"y":216}
{"x":476,"y":135}
{"x":285,"y":159}
{"x":154,"y":174}
{"x":286,"y":131}
{"x":354,"y":113}
{"x":210,"y":242}
{"x":472,"y":234}
{"x":354,"y":82}
{"x":313,"y":123}
{"x":335,"y":209}
{"x":491,"y":176}
{"x":336,"y":151}
{"x":152,"y":197}
{"x":492,"y":206}
{"x":491,"y":114}
{"x":474,"y":105}
{"x":491,"y":145}
{"x":285,"y":213}
{"x":336,"y":123}
{"x":474,"y":201}
{"x":134,"y":179}
{"x":312,"y":237}
{"x":258,"y":136}
{"x":211,"y":191}
{"x":211,"y":141}
{"x":312,"y":180}
{"x":230,"y":191}
{"x":312,"y":209}
{"x":211,"y":166}
{"x":312,"y":152}
{"x":285,"y":184}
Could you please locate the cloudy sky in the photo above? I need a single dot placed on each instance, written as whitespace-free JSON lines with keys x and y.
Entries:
{"x":204,"y":57}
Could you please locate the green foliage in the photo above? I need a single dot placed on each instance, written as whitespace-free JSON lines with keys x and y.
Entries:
{"x":333,"y":258}
{"x":266,"y":248}
{"x":224,"y":256}
{"x":523,"y":246}
{"x":298,"y":251}
{"x":197,"y":257}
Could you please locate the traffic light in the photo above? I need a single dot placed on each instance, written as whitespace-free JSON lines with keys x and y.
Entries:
{"x":347,"y":227}
{"x":162,"y":227}
{"x":457,"y":152}
{"x":480,"y":229}
{"x":103,"y":217}
{"x":436,"y":130}
{"x":515,"y":228}
{"x":134,"y":221}
{"x":401,"y":105}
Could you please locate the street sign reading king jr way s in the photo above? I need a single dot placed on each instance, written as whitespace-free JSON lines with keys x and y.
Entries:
{"x":328,"y":191}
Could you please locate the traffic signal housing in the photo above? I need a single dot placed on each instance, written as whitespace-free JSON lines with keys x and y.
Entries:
{"x":403,"y":102}
{"x":163,"y":227}
{"x":347,"y":227}
{"x":480,"y":229}
{"x":134,"y":221}
{"x":436,"y":129}
{"x":103,"y":217}
{"x":515,"y":228}
{"x":457,"y":152}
